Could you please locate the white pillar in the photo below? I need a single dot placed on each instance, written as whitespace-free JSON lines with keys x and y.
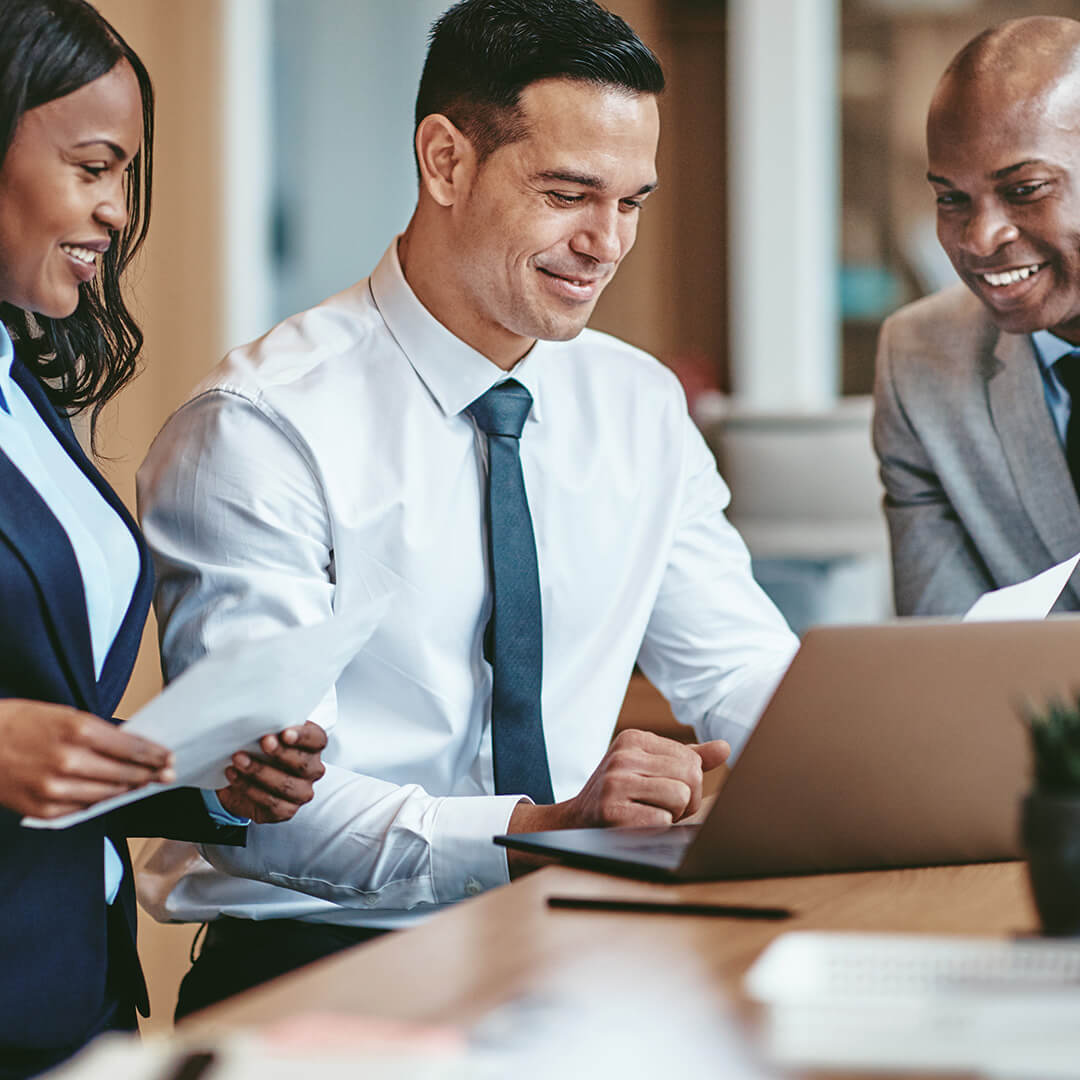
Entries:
{"x":783,"y":158}
{"x":247,"y":169}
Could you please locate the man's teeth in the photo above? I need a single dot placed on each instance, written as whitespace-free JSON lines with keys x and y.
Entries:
{"x":1010,"y":277}
{"x":82,"y":254}
{"x":567,"y":277}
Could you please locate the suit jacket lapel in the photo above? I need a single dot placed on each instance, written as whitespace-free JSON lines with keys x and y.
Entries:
{"x":1031,"y":445}
{"x":121,"y":658}
{"x":41,"y":543}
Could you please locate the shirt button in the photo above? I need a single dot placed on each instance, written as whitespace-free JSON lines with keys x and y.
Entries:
{"x":472,"y":887}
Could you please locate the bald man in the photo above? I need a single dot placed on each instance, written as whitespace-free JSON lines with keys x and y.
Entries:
{"x":972,"y":400}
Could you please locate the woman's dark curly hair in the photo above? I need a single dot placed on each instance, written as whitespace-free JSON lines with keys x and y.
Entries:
{"x":48,"y":49}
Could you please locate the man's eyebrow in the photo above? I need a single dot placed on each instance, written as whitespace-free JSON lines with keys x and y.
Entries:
{"x":581,"y":179}
{"x":1000,"y":174}
{"x":586,"y":180}
{"x":1009,"y":169}
{"x":117,"y":151}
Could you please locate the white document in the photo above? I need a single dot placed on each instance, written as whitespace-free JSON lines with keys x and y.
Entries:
{"x":1031,"y":599}
{"x":228,"y":700}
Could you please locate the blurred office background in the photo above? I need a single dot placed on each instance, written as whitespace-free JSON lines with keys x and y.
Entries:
{"x":793,"y":216}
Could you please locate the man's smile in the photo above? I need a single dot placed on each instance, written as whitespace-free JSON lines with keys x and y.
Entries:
{"x":1001,"y":278}
{"x":575,"y":287}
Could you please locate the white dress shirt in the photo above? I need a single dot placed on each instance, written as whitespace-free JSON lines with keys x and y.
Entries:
{"x":332,"y":459}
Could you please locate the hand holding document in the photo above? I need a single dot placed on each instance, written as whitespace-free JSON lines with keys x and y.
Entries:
{"x":231,"y":698}
{"x":1031,"y":599}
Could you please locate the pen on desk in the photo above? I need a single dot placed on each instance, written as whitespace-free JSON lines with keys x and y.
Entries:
{"x":668,"y":907}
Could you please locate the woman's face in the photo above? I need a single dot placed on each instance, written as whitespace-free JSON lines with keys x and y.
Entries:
{"x":62,"y":191}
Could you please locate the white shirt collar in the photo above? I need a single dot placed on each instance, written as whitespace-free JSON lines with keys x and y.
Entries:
{"x":7,"y":357}
{"x":1049,"y":348}
{"x":454,"y":372}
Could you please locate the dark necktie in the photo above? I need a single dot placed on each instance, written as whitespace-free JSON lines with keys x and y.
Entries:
{"x":1068,"y":371}
{"x":513,"y":640}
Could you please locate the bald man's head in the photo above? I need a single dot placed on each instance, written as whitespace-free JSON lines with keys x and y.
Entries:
{"x":1019,"y":61}
{"x":1003,"y":143}
{"x":1005,"y":49}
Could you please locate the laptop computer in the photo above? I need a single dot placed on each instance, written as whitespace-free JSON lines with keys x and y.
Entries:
{"x":883,"y":746}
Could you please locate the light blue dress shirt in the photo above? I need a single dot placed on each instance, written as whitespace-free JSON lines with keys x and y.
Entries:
{"x":105,"y":550}
{"x":1049,"y":349}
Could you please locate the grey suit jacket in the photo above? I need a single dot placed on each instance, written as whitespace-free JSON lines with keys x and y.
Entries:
{"x":977,"y":491}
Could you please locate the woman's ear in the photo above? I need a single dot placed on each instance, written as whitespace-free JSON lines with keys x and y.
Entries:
{"x":446,"y":157}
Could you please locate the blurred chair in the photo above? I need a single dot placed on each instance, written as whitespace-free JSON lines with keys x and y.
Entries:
{"x":807,"y":500}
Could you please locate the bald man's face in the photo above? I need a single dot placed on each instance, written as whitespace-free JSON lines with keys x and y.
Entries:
{"x":1006,"y":175}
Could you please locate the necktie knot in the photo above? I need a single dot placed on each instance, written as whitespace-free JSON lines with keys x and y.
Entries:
{"x":502,"y":409}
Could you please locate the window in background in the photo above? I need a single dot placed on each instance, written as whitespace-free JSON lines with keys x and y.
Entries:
{"x":344,"y":82}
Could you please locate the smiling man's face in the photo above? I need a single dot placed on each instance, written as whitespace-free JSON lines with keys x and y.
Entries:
{"x":1004,"y":162}
{"x":550,"y":216}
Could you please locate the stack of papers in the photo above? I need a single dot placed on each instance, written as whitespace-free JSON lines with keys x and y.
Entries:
{"x":903,"y":1001}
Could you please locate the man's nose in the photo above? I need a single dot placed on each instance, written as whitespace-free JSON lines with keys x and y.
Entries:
{"x":601,"y":237}
{"x":988,"y":229}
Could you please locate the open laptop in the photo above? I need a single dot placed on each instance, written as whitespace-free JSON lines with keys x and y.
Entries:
{"x":883,"y":746}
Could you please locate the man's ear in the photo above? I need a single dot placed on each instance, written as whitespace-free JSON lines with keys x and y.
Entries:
{"x":447,"y":159}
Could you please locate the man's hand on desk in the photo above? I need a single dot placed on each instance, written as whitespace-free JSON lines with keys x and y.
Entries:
{"x":643,"y":780}
{"x":273,"y":789}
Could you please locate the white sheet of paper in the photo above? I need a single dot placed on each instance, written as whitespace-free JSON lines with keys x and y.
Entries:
{"x":228,"y":700}
{"x":1031,"y":599}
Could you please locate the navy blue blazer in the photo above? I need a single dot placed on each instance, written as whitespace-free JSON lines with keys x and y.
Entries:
{"x":54,"y":950}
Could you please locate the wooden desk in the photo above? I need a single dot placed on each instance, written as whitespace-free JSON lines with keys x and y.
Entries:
{"x":485,"y":951}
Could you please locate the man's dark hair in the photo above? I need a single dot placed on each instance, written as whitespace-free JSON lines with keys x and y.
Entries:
{"x":483,"y":53}
{"x":49,"y":49}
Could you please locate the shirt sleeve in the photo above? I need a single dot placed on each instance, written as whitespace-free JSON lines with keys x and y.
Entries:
{"x":237,"y":520}
{"x":715,"y":645}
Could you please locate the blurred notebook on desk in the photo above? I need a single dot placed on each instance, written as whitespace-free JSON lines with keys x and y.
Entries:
{"x":904,"y":1002}
{"x":883,"y":746}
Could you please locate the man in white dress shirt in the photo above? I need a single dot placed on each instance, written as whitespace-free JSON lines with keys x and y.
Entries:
{"x":337,"y":458}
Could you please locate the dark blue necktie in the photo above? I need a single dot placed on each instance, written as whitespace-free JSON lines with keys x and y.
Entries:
{"x":1068,"y":371}
{"x":513,"y":642}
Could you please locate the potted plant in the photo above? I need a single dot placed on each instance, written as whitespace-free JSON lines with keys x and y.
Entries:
{"x":1050,"y":825}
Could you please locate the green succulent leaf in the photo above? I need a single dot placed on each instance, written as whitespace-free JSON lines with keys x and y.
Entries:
{"x":1055,"y":745}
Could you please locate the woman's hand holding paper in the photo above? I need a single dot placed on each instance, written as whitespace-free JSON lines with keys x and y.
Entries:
{"x":55,"y":760}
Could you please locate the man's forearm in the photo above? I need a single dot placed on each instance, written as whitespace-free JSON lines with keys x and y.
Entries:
{"x":366,"y":841}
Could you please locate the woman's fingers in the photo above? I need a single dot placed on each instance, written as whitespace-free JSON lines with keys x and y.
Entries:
{"x":113,"y":741}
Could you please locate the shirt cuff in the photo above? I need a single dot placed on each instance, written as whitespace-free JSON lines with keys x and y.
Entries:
{"x":464,"y":859}
{"x":218,"y":814}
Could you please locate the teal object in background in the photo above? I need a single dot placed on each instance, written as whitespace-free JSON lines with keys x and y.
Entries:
{"x":869,"y":291}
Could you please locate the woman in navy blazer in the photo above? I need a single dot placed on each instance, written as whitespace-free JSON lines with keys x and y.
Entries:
{"x":76,"y":127}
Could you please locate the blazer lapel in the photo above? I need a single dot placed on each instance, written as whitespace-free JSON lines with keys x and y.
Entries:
{"x":43,"y":546}
{"x":1032,"y":447}
{"x":121,"y":657}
